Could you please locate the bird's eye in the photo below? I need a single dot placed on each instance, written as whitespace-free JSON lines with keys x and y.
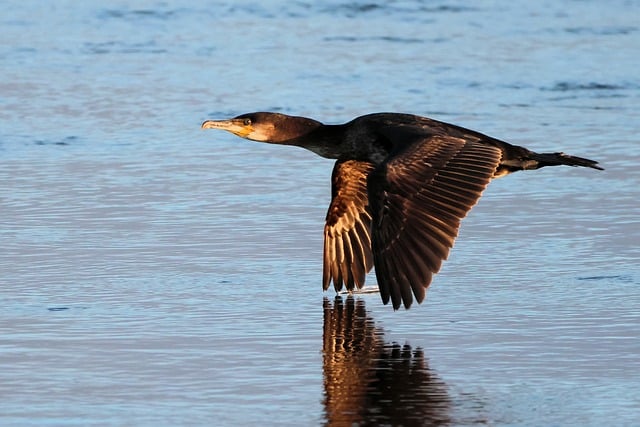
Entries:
{"x":247,"y":121}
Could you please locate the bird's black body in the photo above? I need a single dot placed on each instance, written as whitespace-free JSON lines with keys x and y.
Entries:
{"x":400,"y":187}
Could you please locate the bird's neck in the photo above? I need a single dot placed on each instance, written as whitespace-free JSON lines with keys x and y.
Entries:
{"x":325,"y":140}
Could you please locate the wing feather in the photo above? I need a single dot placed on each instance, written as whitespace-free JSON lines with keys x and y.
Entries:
{"x":347,"y":231}
{"x":418,"y":197}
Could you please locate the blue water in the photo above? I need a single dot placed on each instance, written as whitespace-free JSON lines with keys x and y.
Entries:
{"x":155,"y":274}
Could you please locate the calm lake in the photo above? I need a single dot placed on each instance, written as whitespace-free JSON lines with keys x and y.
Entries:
{"x":155,"y":274}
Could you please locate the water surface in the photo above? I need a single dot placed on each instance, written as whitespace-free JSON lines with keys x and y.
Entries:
{"x":155,"y":274}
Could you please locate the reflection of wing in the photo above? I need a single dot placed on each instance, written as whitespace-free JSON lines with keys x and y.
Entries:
{"x":370,"y":382}
{"x":418,"y":198}
{"x":350,"y":348}
{"x":347,"y":241}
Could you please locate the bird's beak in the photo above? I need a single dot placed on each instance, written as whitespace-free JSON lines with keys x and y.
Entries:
{"x":235,"y":126}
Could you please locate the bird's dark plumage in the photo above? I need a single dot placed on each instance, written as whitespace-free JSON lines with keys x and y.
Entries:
{"x":399,"y":189}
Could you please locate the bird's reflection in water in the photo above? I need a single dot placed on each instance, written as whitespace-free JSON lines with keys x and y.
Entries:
{"x":368,"y":381}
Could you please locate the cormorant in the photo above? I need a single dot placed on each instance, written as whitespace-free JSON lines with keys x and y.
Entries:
{"x":400,"y":187}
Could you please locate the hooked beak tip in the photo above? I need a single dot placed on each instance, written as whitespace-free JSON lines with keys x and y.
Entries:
{"x":208,"y":124}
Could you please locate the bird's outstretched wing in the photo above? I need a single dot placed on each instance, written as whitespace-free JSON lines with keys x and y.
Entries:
{"x":418,"y":197}
{"x":347,"y":232}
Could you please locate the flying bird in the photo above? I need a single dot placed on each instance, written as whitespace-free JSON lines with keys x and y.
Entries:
{"x":399,"y":189}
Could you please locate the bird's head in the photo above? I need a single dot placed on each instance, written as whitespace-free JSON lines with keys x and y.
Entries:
{"x":265,"y":127}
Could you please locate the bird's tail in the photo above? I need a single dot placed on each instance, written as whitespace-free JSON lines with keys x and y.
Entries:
{"x":556,"y":159}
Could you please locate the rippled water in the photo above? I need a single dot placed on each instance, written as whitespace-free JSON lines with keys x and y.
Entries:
{"x":155,"y":274}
